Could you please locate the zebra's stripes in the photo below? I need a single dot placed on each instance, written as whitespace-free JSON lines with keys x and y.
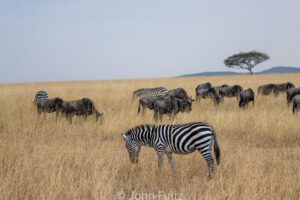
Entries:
{"x":178,"y":139}
{"x":40,"y":96}
{"x":149,"y":91}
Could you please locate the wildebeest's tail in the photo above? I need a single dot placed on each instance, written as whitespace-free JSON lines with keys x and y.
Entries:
{"x":217,"y":150}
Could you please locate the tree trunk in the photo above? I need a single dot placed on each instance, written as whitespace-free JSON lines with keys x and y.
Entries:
{"x":250,"y":70}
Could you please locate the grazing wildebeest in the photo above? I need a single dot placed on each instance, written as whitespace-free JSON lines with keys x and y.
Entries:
{"x":245,"y":97}
{"x":268,"y":89}
{"x":291,"y":93}
{"x":296,"y":103}
{"x":283,"y":87}
{"x":178,"y":139}
{"x":208,"y":93}
{"x":171,"y":106}
{"x":83,"y":107}
{"x":49,"y":105}
{"x":179,"y":93}
{"x":166,"y":105}
{"x":231,"y":91}
{"x":203,"y":86}
{"x":149,"y":92}
{"x":147,"y":102}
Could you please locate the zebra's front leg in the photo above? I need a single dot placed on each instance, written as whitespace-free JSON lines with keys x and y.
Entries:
{"x":171,"y":160}
{"x":160,"y":154}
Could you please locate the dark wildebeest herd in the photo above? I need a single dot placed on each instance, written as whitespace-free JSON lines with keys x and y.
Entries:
{"x":83,"y":107}
{"x":171,"y":102}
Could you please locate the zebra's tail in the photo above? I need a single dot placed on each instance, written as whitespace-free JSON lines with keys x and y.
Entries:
{"x":217,"y":149}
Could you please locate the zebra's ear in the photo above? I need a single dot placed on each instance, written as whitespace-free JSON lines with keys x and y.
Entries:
{"x":124,"y":136}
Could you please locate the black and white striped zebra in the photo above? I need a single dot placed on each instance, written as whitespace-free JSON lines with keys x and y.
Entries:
{"x":149,"y":92}
{"x":40,"y":96}
{"x":178,"y":139}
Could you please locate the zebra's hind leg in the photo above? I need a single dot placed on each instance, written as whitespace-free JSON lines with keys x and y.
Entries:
{"x":209,"y":160}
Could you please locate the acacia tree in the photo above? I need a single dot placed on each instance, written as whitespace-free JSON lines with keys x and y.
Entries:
{"x":246,"y":60}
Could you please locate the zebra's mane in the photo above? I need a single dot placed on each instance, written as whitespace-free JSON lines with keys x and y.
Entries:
{"x":143,"y":126}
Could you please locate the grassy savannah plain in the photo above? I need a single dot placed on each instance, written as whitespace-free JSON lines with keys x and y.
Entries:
{"x":45,"y":158}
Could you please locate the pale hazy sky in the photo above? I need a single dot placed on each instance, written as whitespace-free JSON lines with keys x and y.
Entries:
{"x":60,"y":40}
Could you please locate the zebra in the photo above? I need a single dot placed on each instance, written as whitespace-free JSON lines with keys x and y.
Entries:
{"x":178,"y":139}
{"x":40,"y":96}
{"x":148,"y":92}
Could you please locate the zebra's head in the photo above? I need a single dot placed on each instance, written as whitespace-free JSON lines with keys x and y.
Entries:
{"x":132,"y":147}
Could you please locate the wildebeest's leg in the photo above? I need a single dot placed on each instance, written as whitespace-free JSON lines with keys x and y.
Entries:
{"x":171,"y":160}
{"x":209,"y":160}
{"x":294,"y":107}
{"x":85,"y":117}
{"x":155,"y":116}
{"x":143,"y":109}
{"x":160,"y":117}
{"x":39,"y":110}
{"x":69,"y":116}
{"x":57,"y":113}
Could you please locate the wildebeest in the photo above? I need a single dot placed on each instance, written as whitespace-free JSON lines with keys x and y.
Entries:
{"x":245,"y":97}
{"x":171,"y":106}
{"x":296,"y":103}
{"x":208,"y":93}
{"x":268,"y":89}
{"x":149,"y":92}
{"x":147,"y":102}
{"x":291,"y":93}
{"x":49,"y":105}
{"x":231,"y":91}
{"x":83,"y":107}
{"x":203,"y":86}
{"x":179,"y":93}
{"x":283,"y":87}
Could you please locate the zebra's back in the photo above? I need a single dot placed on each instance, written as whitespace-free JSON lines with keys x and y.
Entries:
{"x":186,"y":138}
{"x":150,"y":91}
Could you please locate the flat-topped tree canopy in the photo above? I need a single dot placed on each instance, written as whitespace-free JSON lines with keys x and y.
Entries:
{"x":246,"y":60}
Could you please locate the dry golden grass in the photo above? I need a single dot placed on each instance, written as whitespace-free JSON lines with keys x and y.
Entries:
{"x":41,"y":158}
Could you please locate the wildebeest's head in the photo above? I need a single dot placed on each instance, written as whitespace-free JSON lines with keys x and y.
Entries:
{"x":238,"y":88}
{"x":137,"y":94}
{"x":289,"y":85}
{"x":132,"y":147}
{"x":184,"y":105}
{"x":58,"y":102}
